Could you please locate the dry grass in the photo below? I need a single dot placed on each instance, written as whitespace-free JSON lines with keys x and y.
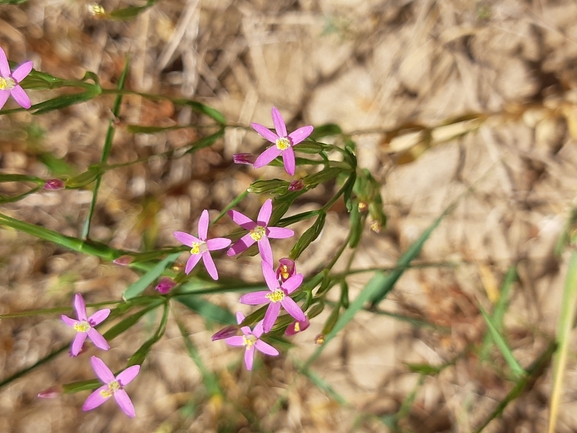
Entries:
{"x":383,"y":68}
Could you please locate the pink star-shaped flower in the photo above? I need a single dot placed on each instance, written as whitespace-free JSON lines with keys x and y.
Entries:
{"x":259,"y":232}
{"x":251,"y":341}
{"x":277,"y":297}
{"x":10,"y":81}
{"x":201,"y":247}
{"x":85,"y":326}
{"x":283,"y":142}
{"x":113,"y":386}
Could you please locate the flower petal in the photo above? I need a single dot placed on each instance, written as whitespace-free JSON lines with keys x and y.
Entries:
{"x":209,"y":265}
{"x":293,"y":309}
{"x":258,"y":329}
{"x":191,"y":263}
{"x":185,"y":238}
{"x":265,"y":250}
{"x":20,"y":96}
{"x":293,"y":283}
{"x":249,"y":357}
{"x":239,"y":317}
{"x":278,"y":123}
{"x":126,"y":376}
{"x":101,"y":370}
{"x":270,"y":316}
{"x":217,"y":243}
{"x":203,"y":225}
{"x":124,"y":403}
{"x":98,"y":340}
{"x":95,"y":399}
{"x":288,"y":157}
{"x":267,"y":156}
{"x":98,"y":317}
{"x":279,"y":233}
{"x":255,"y":298}
{"x":264,"y":132}
{"x":4,"y":95}
{"x":240,"y":245}
{"x":22,"y":71}
{"x":77,"y":343}
{"x":4,"y":66}
{"x":269,"y":276}
{"x":241,"y":219}
{"x":264,"y":213}
{"x":68,"y":320}
{"x":266,"y":348}
{"x":235,"y":341}
{"x":80,"y":307}
{"x":300,"y":134}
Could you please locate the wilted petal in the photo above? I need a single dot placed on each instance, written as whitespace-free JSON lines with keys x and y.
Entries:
{"x":288,"y":157}
{"x":279,"y":233}
{"x":265,"y":250}
{"x":293,"y":309}
{"x":209,"y":265}
{"x":266,"y":348}
{"x":297,"y":326}
{"x":286,"y":269}
{"x":241,"y":219}
{"x":191,"y":262}
{"x":185,"y":238}
{"x":293,"y":283}
{"x":20,"y":96}
{"x":77,"y":343}
{"x":249,"y":358}
{"x":203,"y":225}
{"x":267,"y":156}
{"x":300,"y":134}
{"x":22,"y":71}
{"x":255,"y":298}
{"x":264,"y":132}
{"x":278,"y":122}
{"x":98,"y":340}
{"x":125,"y":377}
{"x":4,"y":66}
{"x":240,"y":245}
{"x":95,"y":399}
{"x":124,"y":403}
{"x":99,"y":317}
{"x":271,"y":315}
{"x":217,"y":243}
{"x":235,"y":341}
{"x":101,"y":370}
{"x":80,"y":307}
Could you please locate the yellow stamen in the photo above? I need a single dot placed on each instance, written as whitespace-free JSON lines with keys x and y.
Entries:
{"x":282,"y":143}
{"x":284,"y":272}
{"x":195,"y":248}
{"x":249,"y":340}
{"x":276,"y":296}
{"x":258,"y":233}
{"x":96,"y":10}
{"x":7,"y":83}
{"x":82,"y":326}
{"x":112,"y":388}
{"x":297,"y":327}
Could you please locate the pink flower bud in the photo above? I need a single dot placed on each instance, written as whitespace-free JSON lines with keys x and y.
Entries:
{"x":165,"y":285}
{"x":286,"y":269}
{"x":52,"y":392}
{"x":244,"y":158}
{"x":229,"y":331}
{"x":54,"y":184}
{"x":297,"y":326}
{"x":123,"y":260}
{"x":296,"y":185}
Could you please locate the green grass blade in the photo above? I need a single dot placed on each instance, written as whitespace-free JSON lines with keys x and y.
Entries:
{"x":503,"y":346}
{"x":566,"y":321}
{"x":147,"y":279}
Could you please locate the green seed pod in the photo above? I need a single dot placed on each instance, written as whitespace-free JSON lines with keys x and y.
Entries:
{"x":344,"y":294}
{"x":332,"y":320}
{"x":272,"y":186}
{"x":316,"y":309}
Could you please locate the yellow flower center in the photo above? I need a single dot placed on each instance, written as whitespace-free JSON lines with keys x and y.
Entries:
{"x":7,"y":83}
{"x":282,"y":143}
{"x":284,"y":272}
{"x":258,"y":233}
{"x":248,"y":340}
{"x":297,"y":327}
{"x":276,"y":296}
{"x":82,"y":326}
{"x":112,"y":388}
{"x":198,"y":247}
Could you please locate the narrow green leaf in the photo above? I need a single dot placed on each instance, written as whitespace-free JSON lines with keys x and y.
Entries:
{"x":326,"y":130}
{"x":64,"y":101}
{"x":85,"y":178}
{"x":82,"y":385}
{"x":207,"y":310}
{"x":325,"y":175}
{"x":309,"y":236}
{"x":205,"y":141}
{"x":147,"y":279}
{"x":130,"y":321}
{"x":140,"y":355}
{"x":203,"y":109}
{"x":141,"y":129}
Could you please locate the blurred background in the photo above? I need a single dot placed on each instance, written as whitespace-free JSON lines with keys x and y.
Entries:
{"x":451,"y":101}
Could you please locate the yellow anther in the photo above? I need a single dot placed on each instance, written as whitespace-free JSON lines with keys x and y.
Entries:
{"x":276,"y":296}
{"x":284,"y":272}
{"x":283,"y":143}
{"x":258,"y":233}
{"x":7,"y":83}
{"x":82,"y":326}
{"x":297,"y":327}
{"x":195,"y":248}
{"x":249,"y":340}
{"x":112,"y":388}
{"x":96,"y":10}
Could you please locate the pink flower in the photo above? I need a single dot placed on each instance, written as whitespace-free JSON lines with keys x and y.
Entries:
{"x":201,"y":247}
{"x":277,"y":296}
{"x":85,"y":326}
{"x":112,"y":386}
{"x":283,"y":143}
{"x":10,"y":81}
{"x":165,"y":285}
{"x":251,"y":341}
{"x":286,"y":269}
{"x":259,"y":232}
{"x":297,"y":326}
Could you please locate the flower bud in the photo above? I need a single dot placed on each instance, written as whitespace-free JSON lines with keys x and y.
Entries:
{"x":52,"y":392}
{"x":229,"y":331}
{"x":165,"y":285}
{"x":244,"y":158}
{"x":54,"y":184}
{"x":296,"y":185}
{"x":286,"y":269}
{"x":297,"y":326}
{"x":271,"y":186}
{"x":123,"y":260}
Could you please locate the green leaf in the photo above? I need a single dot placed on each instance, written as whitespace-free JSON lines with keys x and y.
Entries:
{"x":141,"y":129}
{"x":206,"y":141}
{"x":58,"y":167}
{"x":326,"y":130}
{"x":85,"y":178}
{"x":322,"y":176}
{"x":356,"y":223}
{"x":82,"y":385}
{"x":308,"y":236}
{"x":207,"y":310}
{"x":130,"y":321}
{"x":64,"y":101}
{"x":309,"y":147}
{"x":20,"y":178}
{"x":147,"y":279}
{"x":203,"y":109}
{"x":140,"y":355}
